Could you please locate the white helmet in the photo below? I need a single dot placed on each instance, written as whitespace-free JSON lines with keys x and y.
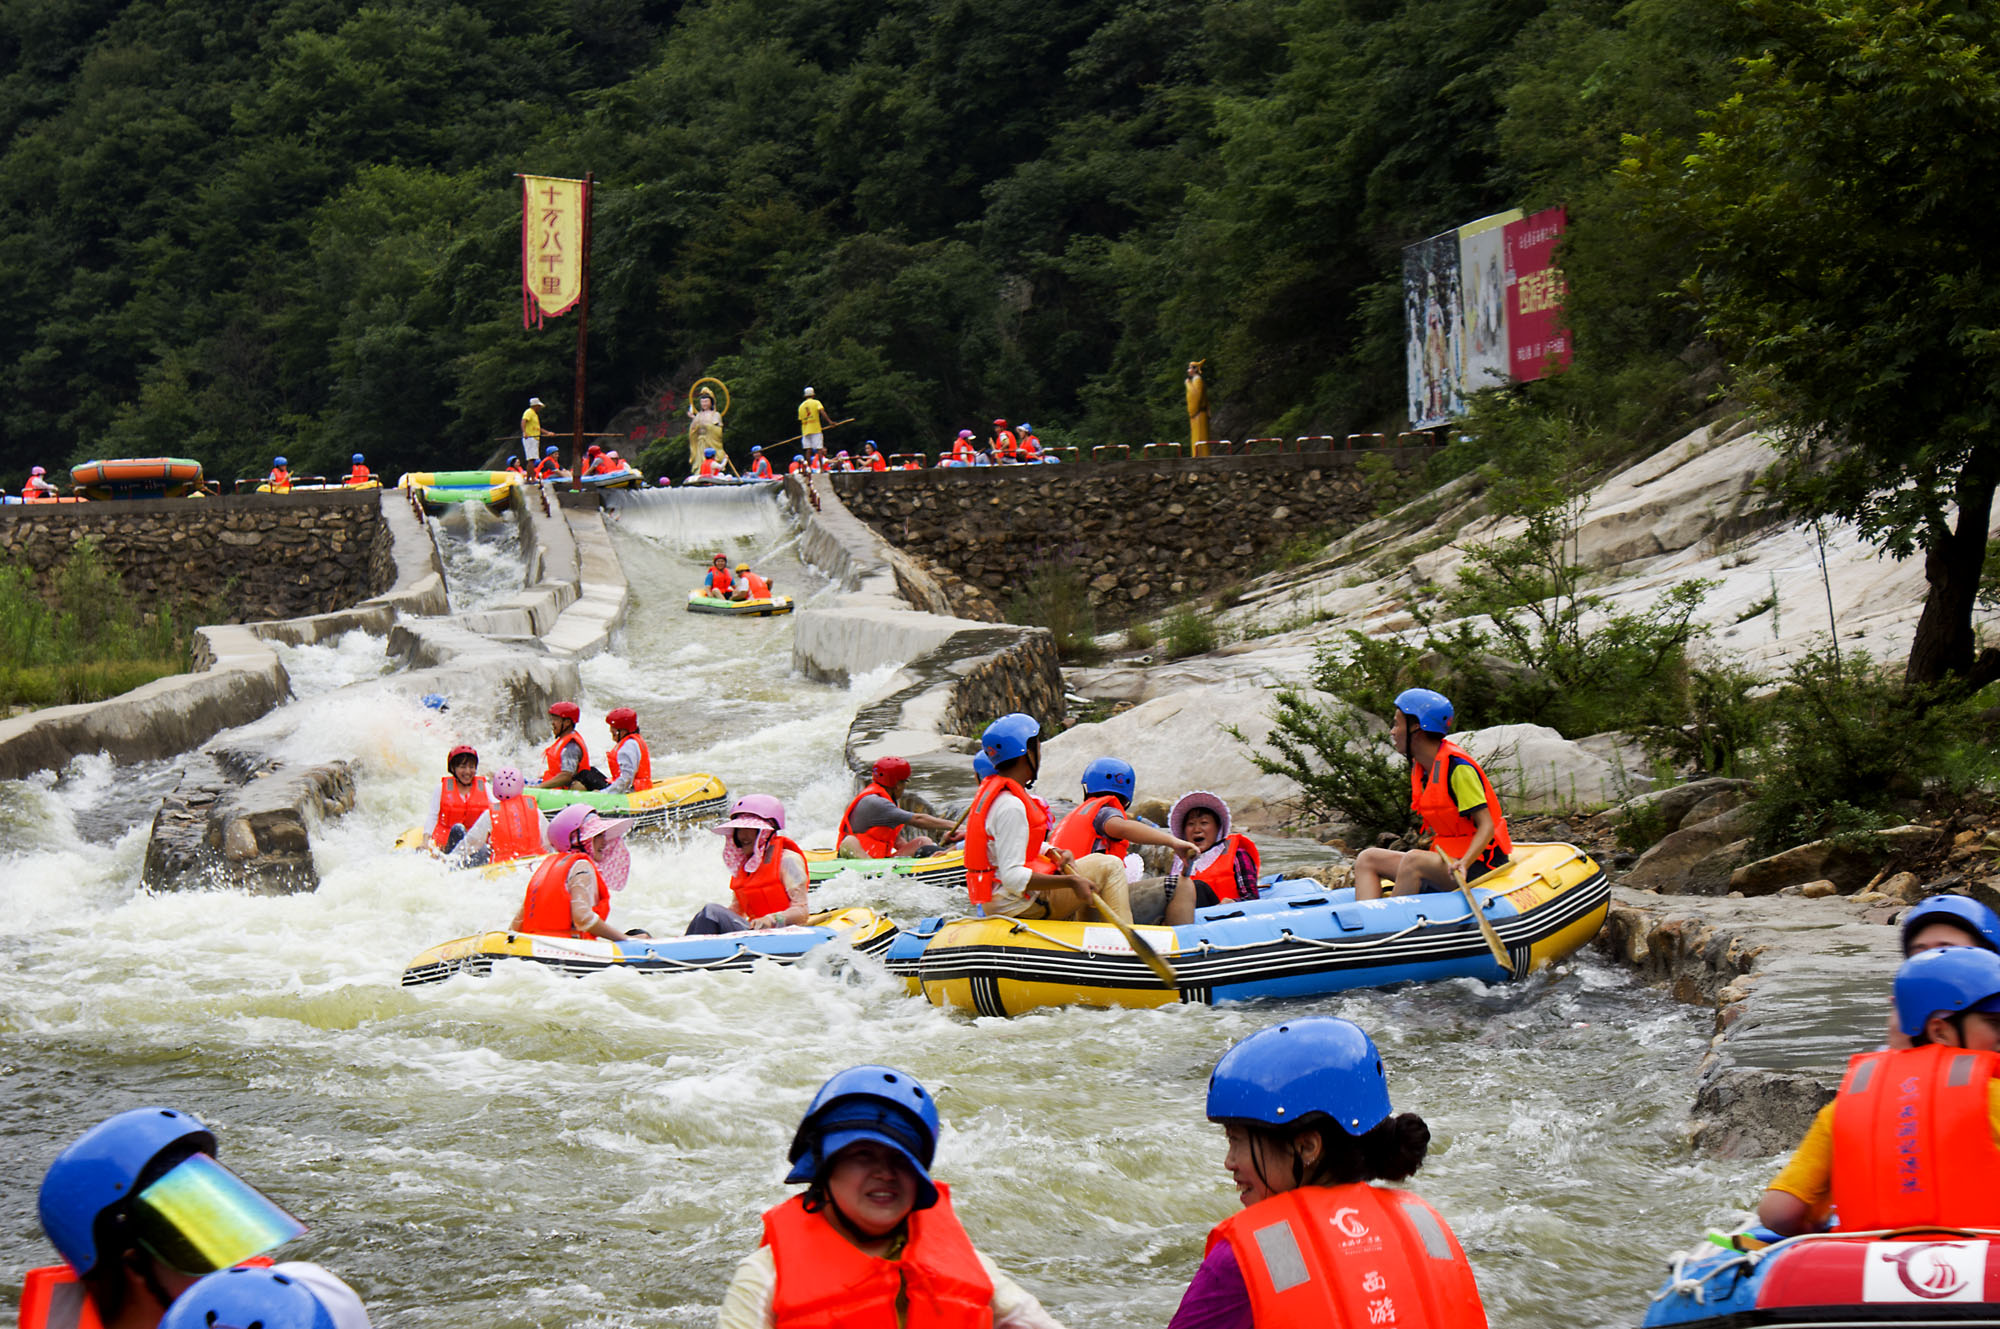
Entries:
{"x":809,"y":392}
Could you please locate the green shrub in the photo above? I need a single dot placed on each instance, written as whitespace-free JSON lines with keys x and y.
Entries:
{"x":1056,"y":596}
{"x":1189,"y":632}
{"x":1702,"y":718}
{"x":1344,"y":772}
{"x":1140,"y":636}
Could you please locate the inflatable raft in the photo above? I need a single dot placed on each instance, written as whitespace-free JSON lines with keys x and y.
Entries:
{"x":943,"y":869}
{"x":1296,"y":940}
{"x":137,"y":477}
{"x":1915,"y":1277}
{"x":626,"y":478}
{"x":681,"y":798}
{"x":439,"y":490}
{"x":702,"y":603}
{"x":862,"y":929}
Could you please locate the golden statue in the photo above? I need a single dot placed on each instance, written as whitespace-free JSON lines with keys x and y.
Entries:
{"x":1197,"y":404}
{"x":705,"y":423}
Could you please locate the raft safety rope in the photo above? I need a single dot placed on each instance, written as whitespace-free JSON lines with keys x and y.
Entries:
{"x":1210,"y":948}
{"x":1678,"y":1283}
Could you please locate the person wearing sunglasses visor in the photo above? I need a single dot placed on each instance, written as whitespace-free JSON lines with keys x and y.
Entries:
{"x":139,"y":1210}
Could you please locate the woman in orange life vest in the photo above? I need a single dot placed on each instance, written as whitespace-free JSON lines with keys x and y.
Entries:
{"x":1855,"y":1157}
{"x":1098,"y":825}
{"x":570,"y":893}
{"x":550,"y":466}
{"x":566,"y":761}
{"x":873,"y":460}
{"x":760,"y":465}
{"x":514,"y":466}
{"x":716,"y":585}
{"x":1452,"y":795}
{"x":876,"y":826}
{"x":711,"y":467}
{"x":630,"y":762}
{"x":38,"y":485}
{"x":280,"y":478}
{"x":1224,"y":866}
{"x":460,"y":800}
{"x":768,"y":877}
{"x":962,"y":450}
{"x":139,"y":1209}
{"x":873,"y":1241}
{"x":754,"y":586}
{"x":512,"y":828}
{"x":1030,"y":446}
{"x":1001,"y":445}
{"x":1306,"y":1108}
{"x":358,"y":474}
{"x":1010,"y":869}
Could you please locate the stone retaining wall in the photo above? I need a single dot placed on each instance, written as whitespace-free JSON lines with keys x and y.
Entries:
{"x":1142,"y":534}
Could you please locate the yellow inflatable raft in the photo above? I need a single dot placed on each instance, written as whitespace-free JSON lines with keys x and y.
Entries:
{"x":941,"y":869}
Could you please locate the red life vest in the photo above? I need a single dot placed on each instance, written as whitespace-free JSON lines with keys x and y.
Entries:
{"x":1003,"y":445}
{"x":1351,"y":1257}
{"x":1912,"y":1140}
{"x":981,"y":872}
{"x":517,"y":469}
{"x":879,"y":842}
{"x":1078,"y":831}
{"x":459,"y":807}
{"x":963,"y":450}
{"x":280,"y":479}
{"x":1430,"y":798}
{"x":913,"y":466}
{"x":877,"y":462}
{"x":761,"y":469}
{"x":552,"y":755}
{"x":759,"y":588}
{"x":1031,"y":447}
{"x":795,"y":467}
{"x":545,"y":909}
{"x":763,"y":891}
{"x":643,"y":777}
{"x":359,"y":475}
{"x":516,"y":830}
{"x":718,"y":584}
{"x":1221,"y":874}
{"x":548,"y":467}
{"x":824,"y":1282}
{"x":53,"y":1297}
{"x":710,"y":466}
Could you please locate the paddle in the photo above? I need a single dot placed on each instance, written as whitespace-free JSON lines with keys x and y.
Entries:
{"x":1140,"y":946}
{"x":1493,"y":942}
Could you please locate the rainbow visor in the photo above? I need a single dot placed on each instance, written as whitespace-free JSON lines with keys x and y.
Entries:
{"x":201,"y":1217}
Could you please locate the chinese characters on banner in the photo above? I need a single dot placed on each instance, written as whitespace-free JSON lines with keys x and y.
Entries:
{"x":1482,"y":308}
{"x":552,"y":213}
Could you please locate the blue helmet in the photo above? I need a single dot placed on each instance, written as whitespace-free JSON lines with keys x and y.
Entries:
{"x":870,"y":445}
{"x":756,"y":448}
{"x":1008,"y":737}
{"x":1975,"y":918}
{"x":101,"y":1170}
{"x":982,"y":765}
{"x":1026,"y":427}
{"x":1108,"y":775}
{"x":708,"y":452}
{"x":357,"y":459}
{"x":435,"y":701}
{"x":875,"y":1103}
{"x":1288,"y":1072}
{"x":1429,"y":709}
{"x":279,"y":461}
{"x":551,"y":450}
{"x":1946,"y":982}
{"x":262,"y":1297}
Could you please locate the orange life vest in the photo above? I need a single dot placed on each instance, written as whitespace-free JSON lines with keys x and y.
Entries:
{"x":1078,"y":831}
{"x":545,"y":909}
{"x":1003,"y":444}
{"x":1912,"y":1140}
{"x":718,"y":584}
{"x":552,"y":755}
{"x":877,"y":462}
{"x":643,"y":777}
{"x":824,"y":1282}
{"x":280,"y":479}
{"x":981,"y":872}
{"x":1221,"y":874}
{"x":1351,"y":1257}
{"x":1430,"y":798}
{"x":359,"y":475}
{"x":963,"y":450}
{"x":459,"y":807}
{"x":517,"y":469}
{"x":879,"y":842}
{"x":759,"y":588}
{"x":53,"y":1297}
{"x":763,"y":891}
{"x":1031,"y":447}
{"x":761,"y":469}
{"x":547,"y":468}
{"x":795,"y":467}
{"x":710,"y":466}
{"x":516,"y":830}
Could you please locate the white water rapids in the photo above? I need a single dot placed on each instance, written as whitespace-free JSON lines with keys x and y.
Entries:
{"x":533,"y":1150}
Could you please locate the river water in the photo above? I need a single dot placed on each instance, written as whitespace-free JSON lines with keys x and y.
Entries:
{"x":532,"y":1150}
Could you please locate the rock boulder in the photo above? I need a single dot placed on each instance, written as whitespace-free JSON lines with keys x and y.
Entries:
{"x":1535,"y":769}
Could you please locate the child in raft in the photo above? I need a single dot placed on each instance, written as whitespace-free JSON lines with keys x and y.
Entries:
{"x":1225,"y":865}
{"x":873,"y":1236}
{"x":1305,"y":1105}
{"x":1450,"y":791}
{"x":768,"y":876}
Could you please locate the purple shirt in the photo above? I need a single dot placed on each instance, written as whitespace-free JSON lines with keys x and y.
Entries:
{"x":1217,"y":1298}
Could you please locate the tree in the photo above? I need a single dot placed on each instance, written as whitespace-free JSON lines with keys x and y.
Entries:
{"x":1837,"y":199}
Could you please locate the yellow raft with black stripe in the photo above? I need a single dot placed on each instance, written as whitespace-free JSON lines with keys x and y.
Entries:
{"x":1298,"y":939}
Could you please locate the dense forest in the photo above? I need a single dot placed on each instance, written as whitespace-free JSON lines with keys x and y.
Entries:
{"x":292,"y":225}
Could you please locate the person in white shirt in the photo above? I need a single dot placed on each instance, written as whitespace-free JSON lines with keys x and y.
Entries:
{"x":1009,"y":867}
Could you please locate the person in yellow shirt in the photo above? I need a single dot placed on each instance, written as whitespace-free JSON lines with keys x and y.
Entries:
{"x":531,"y":428}
{"x":812,"y":429}
{"x":1900,"y":1145}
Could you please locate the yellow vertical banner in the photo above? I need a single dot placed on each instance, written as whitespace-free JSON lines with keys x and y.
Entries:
{"x":552,"y":244}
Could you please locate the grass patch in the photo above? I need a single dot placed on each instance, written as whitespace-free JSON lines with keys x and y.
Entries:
{"x":1189,"y":632}
{"x":1141,"y":637}
{"x":1056,"y":596}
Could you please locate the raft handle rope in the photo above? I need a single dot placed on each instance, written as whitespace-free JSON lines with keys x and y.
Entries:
{"x":1210,"y":948}
{"x":1678,"y":1282}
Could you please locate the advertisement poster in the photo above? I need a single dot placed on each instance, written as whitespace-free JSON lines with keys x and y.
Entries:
{"x":1538,"y":338}
{"x":1435,"y":329}
{"x":1482,"y":308}
{"x":1482,"y":280}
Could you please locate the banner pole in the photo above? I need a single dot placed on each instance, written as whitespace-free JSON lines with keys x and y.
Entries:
{"x":582,"y":330}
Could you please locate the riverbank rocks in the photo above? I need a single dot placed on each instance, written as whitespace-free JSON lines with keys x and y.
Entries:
{"x":1848,"y":862}
{"x":1698,"y":858}
{"x":234,"y":822}
{"x":1139,"y":535}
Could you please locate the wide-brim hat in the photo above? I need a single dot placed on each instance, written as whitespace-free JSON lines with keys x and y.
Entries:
{"x":1189,"y":802}
{"x":748,"y":821}
{"x":593,"y":825}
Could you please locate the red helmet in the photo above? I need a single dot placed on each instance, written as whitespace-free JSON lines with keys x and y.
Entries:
{"x":1000,"y":424}
{"x":567,"y":710}
{"x":891,"y":771}
{"x":462,"y":750}
{"x":720,"y":558}
{"x":624,"y":719}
